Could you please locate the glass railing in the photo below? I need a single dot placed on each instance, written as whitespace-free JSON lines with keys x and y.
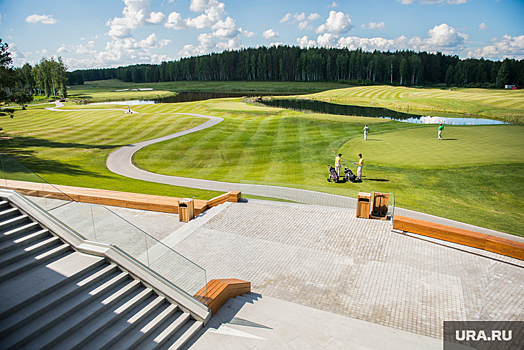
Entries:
{"x":98,"y":223}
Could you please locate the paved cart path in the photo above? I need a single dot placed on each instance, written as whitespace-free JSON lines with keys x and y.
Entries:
{"x":120,"y":162}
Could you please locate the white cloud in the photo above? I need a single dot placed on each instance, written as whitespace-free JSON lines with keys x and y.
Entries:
{"x":156,"y":17}
{"x":277,"y":44}
{"x":270,"y":34}
{"x":363,"y":26}
{"x":156,"y":59}
{"x":304,"y":25}
{"x":377,"y":26}
{"x":175,"y":21}
{"x":507,"y":46}
{"x":15,"y":52}
{"x":305,"y":42}
{"x":441,"y":38}
{"x":338,"y":22}
{"x":202,"y":5}
{"x":44,"y":19}
{"x":333,"y":5}
{"x":444,"y":36}
{"x":327,"y":40}
{"x":286,"y":18}
{"x":62,"y":49}
{"x":483,"y":26}
{"x":208,"y":44}
{"x":299,"y":17}
{"x":137,"y":13}
{"x":313,"y":16}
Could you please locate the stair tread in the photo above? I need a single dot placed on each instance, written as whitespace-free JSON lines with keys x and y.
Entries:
{"x":70,"y":313}
{"x":125,"y":326}
{"x":162,"y":334}
{"x":104,"y":320}
{"x":18,"y":254}
{"x":31,"y":261}
{"x":40,"y":301}
{"x":24,"y":240}
{"x":188,"y":334}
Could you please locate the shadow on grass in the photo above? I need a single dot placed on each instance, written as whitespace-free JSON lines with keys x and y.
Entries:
{"x":20,"y":149}
{"x":378,"y":180}
{"x":449,"y":140}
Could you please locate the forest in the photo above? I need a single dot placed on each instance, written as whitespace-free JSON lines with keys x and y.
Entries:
{"x":292,"y":63}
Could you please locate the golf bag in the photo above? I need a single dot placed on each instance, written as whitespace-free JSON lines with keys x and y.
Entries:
{"x":348,"y":174}
{"x":332,"y":174}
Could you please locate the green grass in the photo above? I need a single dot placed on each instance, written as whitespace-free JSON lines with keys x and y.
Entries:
{"x":70,"y":148}
{"x":471,"y":177}
{"x":104,"y":90}
{"x":506,"y":105}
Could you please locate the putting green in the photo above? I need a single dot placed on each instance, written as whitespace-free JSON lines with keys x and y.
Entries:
{"x":462,"y":146}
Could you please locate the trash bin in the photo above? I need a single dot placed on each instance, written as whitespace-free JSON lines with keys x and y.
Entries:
{"x":363,"y":205}
{"x":380,"y":206}
{"x":186,"y":209}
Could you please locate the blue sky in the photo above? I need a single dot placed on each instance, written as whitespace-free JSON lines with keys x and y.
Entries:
{"x":111,"y":33}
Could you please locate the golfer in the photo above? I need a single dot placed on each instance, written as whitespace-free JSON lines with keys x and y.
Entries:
{"x":360,"y":165}
{"x":366,"y":130}
{"x":440,"y":130}
{"x":337,"y":164}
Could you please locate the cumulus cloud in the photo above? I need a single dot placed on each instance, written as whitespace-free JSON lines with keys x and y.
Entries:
{"x":332,"y":6}
{"x":44,"y":19}
{"x":441,"y":38}
{"x":304,"y":25}
{"x":327,"y":40}
{"x":313,"y":16}
{"x":208,"y":44}
{"x":62,"y":49}
{"x":137,"y":13}
{"x":507,"y":46}
{"x":305,"y":42}
{"x":286,"y":18}
{"x":15,"y":52}
{"x":338,"y":22}
{"x":299,"y":17}
{"x":213,"y":13}
{"x":270,"y":34}
{"x":277,"y":44}
{"x":377,"y":26}
{"x":483,"y":26}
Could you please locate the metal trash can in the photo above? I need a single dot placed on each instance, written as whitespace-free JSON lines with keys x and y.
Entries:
{"x":186,"y":209}
{"x":363,"y":205}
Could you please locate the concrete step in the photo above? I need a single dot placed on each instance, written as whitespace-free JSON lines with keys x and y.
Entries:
{"x":38,"y":304}
{"x":32,"y":261}
{"x":162,"y":334}
{"x":72,"y":324}
{"x":7,"y":213}
{"x":125,"y":327}
{"x":184,"y":334}
{"x":146,"y":328}
{"x":24,"y":240}
{"x":103,"y":321}
{"x":244,"y":298}
{"x":13,"y":222}
{"x":15,"y":232}
{"x":21,"y":253}
{"x":84,"y":306}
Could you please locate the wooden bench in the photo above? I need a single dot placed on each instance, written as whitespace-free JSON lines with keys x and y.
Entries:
{"x":218,"y":291}
{"x":114,"y":198}
{"x":456,"y":235}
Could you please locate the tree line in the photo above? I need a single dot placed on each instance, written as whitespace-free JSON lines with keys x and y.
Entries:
{"x":292,"y":63}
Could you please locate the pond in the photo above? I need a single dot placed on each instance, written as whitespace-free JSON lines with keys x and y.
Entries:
{"x":186,"y":97}
{"x":376,"y":112}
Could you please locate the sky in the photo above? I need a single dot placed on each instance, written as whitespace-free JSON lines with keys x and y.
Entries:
{"x":112,"y":33}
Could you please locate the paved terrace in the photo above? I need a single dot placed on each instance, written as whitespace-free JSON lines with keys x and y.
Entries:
{"x":322,"y":263}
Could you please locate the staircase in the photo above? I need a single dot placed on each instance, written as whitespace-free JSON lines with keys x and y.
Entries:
{"x":56,"y":297}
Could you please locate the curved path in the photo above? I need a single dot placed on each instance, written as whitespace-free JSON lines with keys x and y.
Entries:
{"x":120,"y":162}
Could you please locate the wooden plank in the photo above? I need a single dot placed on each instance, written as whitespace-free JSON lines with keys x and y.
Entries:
{"x":468,"y":238}
{"x":220,"y":290}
